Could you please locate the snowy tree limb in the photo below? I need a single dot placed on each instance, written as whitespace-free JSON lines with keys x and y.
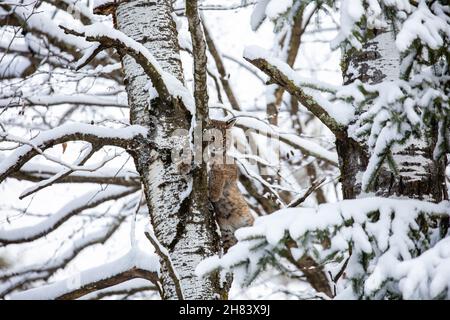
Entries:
{"x":89,"y":200}
{"x":314,"y":186}
{"x":18,"y":278}
{"x":55,"y":100}
{"x":125,"y":289}
{"x":74,"y":7}
{"x":168,"y":87}
{"x":67,"y":132}
{"x":134,"y":264}
{"x":305,"y":99}
{"x":28,"y":18}
{"x":60,"y":175}
{"x":384,"y":243}
{"x":300,"y":21}
{"x":112,"y":176}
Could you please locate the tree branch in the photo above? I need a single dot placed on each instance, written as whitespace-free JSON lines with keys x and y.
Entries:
{"x":96,"y":135}
{"x":220,"y":68}
{"x":88,"y":200}
{"x":167,"y":86}
{"x":16,"y":279}
{"x":134,"y":264}
{"x":109,"y":282}
{"x":200,"y":62}
{"x":38,"y":174}
{"x":165,"y":257}
{"x":55,"y":100}
{"x":305,"y":99}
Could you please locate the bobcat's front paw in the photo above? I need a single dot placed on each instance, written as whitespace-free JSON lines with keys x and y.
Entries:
{"x":214,"y":197}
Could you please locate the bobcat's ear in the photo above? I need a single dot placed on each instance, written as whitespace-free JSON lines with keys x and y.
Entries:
{"x":231,"y":122}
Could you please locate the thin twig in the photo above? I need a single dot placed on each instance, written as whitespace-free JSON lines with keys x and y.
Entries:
{"x":164,"y":254}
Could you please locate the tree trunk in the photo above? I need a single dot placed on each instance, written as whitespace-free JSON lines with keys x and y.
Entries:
{"x":419,"y":175}
{"x":180,"y":212}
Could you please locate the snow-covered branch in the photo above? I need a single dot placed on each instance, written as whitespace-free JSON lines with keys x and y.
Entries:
{"x":55,"y":100}
{"x":74,"y":7}
{"x":306,"y":146}
{"x":89,"y":200}
{"x":18,"y":278}
{"x":125,"y":289}
{"x":165,"y":257}
{"x":36,"y":173}
{"x":167,"y":86}
{"x":374,"y":232}
{"x":134,"y":264}
{"x":200,"y":61}
{"x":285,"y":76}
{"x":100,"y":136}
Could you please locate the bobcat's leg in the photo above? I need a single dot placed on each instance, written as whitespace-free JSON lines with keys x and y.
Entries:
{"x":228,"y":238}
{"x":216,"y":184}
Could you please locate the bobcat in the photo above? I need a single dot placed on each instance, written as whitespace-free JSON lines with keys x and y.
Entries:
{"x":232,"y":211}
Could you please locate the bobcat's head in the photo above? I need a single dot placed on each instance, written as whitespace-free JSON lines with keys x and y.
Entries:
{"x":218,"y":133}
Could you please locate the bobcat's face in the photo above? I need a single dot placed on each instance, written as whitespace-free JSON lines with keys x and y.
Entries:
{"x":219,"y":135}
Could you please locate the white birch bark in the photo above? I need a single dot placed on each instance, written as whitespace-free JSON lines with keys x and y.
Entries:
{"x":418,"y":175}
{"x":181,"y":218}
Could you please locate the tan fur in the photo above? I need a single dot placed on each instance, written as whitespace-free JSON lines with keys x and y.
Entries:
{"x":232,"y":211}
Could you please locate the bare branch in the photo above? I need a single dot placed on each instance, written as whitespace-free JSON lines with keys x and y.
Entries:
{"x":307,"y":147}
{"x":220,"y":68}
{"x":110,"y":177}
{"x":296,"y":202}
{"x":200,"y":62}
{"x":165,"y":257}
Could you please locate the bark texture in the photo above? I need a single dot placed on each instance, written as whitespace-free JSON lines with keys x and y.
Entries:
{"x":180,"y":213}
{"x":419,"y":175}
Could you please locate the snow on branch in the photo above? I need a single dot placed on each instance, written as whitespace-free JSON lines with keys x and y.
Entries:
{"x":77,"y":131}
{"x":59,"y":99}
{"x":428,"y":23}
{"x":425,"y":21}
{"x":39,"y":23}
{"x":38,"y":172}
{"x":280,"y":73}
{"x":306,"y":146}
{"x":87,"y":153}
{"x":375,"y":233}
{"x":18,"y":277}
{"x":74,"y":7}
{"x":126,"y":289}
{"x":89,"y":200}
{"x":134,"y":264}
{"x":167,"y":86}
